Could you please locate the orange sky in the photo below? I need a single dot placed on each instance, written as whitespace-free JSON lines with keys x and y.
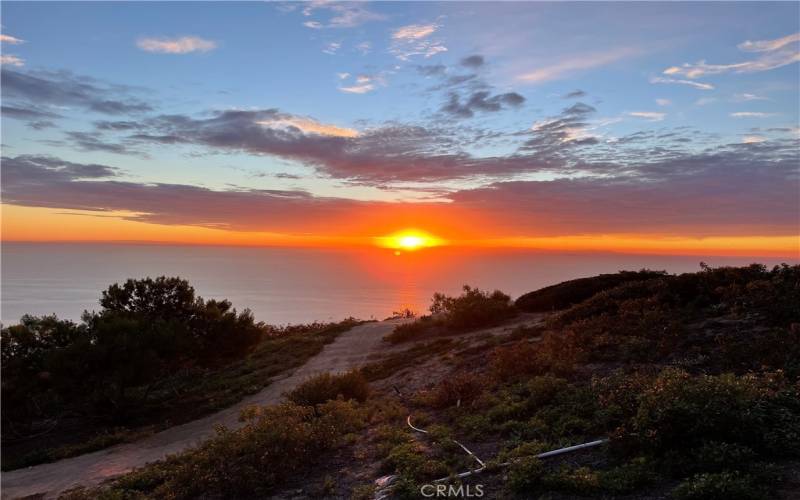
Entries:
{"x":53,"y":225}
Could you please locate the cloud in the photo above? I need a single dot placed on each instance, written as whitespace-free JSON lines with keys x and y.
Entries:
{"x":575,"y":94}
{"x":744,"y":188}
{"x":343,"y":75}
{"x":769,"y":45}
{"x":703,"y":101}
{"x":309,"y":126}
{"x":39,"y":90}
{"x":11,"y":60}
{"x":481,"y":101}
{"x":363,"y":84}
{"x":181,"y":45}
{"x":473,"y":62}
{"x":414,"y":31}
{"x":415,"y":40}
{"x":663,"y":102}
{"x":570,"y":65}
{"x":92,"y":141}
{"x":652,"y":116}
{"x":697,"y":85}
{"x":364,"y":48}
{"x":341,"y":14}
{"x":20,"y":113}
{"x":774,"y":54}
{"x":332,"y":47}
{"x":10,"y":39}
{"x":748,"y":97}
{"x":753,"y":139}
{"x":751,"y":114}
{"x":432,"y":69}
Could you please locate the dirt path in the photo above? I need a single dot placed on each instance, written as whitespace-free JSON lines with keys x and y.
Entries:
{"x":349,"y":350}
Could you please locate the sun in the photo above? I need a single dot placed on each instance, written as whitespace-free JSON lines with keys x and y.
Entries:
{"x":409,"y":240}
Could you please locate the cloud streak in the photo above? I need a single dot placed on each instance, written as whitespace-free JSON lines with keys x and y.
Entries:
{"x":181,"y":45}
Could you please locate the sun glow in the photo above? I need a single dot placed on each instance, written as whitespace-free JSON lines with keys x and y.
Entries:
{"x":409,"y":240}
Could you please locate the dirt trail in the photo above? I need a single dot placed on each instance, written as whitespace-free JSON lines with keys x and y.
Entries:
{"x":349,"y":350}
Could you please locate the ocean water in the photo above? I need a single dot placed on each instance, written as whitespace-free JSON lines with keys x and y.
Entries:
{"x":289,"y":285}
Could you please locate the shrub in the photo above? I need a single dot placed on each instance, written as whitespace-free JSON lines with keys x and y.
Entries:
{"x":472,"y":309}
{"x":720,"y":486}
{"x":461,"y":388}
{"x":525,"y":475}
{"x":577,"y":481}
{"x":569,"y":293}
{"x":682,"y":411}
{"x":325,"y":387}
{"x":628,"y":477}
{"x":414,"y":330}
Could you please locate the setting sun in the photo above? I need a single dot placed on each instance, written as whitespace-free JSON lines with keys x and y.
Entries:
{"x":409,"y":240}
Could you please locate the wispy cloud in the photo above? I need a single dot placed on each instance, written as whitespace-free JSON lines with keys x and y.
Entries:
{"x":774,"y":54}
{"x":308,"y":126}
{"x":749,"y":97}
{"x":415,"y":39}
{"x":652,"y":116}
{"x":575,"y":64}
{"x":704,"y":101}
{"x":332,"y":48}
{"x":663,"y":102}
{"x":364,"y":47}
{"x":343,"y":14}
{"x":751,"y":114}
{"x":753,"y":139}
{"x":697,"y":85}
{"x":10,"y":39}
{"x":414,"y":31}
{"x":769,"y":45}
{"x":181,"y":45}
{"x":362,"y":85}
{"x":11,"y":60}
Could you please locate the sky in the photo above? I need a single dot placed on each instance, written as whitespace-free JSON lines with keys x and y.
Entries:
{"x":647,"y":127}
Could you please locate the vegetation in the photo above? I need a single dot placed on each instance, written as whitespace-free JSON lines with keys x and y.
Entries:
{"x":694,"y":378}
{"x":471,"y":310}
{"x":249,"y":462}
{"x":324,"y":387}
{"x":569,"y":293}
{"x":145,"y":361}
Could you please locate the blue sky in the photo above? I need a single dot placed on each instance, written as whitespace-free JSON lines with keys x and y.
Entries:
{"x":402,"y":101}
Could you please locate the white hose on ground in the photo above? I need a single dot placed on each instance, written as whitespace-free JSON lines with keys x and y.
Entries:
{"x":385,"y":482}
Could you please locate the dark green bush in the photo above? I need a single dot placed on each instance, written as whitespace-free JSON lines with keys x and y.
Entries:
{"x":326,"y":386}
{"x":472,"y":309}
{"x":525,"y":475}
{"x":720,"y":486}
{"x":569,"y":293}
{"x":681,"y":411}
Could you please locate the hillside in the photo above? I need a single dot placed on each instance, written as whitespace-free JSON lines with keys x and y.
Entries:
{"x":692,"y":378}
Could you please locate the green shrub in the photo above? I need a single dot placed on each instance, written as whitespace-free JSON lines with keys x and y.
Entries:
{"x":325,"y":387}
{"x":413,"y":330}
{"x":720,"y":486}
{"x":472,"y":309}
{"x":525,"y":475}
{"x":684,"y":411}
{"x":411,"y":461}
{"x":576,"y":481}
{"x":628,"y":477}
